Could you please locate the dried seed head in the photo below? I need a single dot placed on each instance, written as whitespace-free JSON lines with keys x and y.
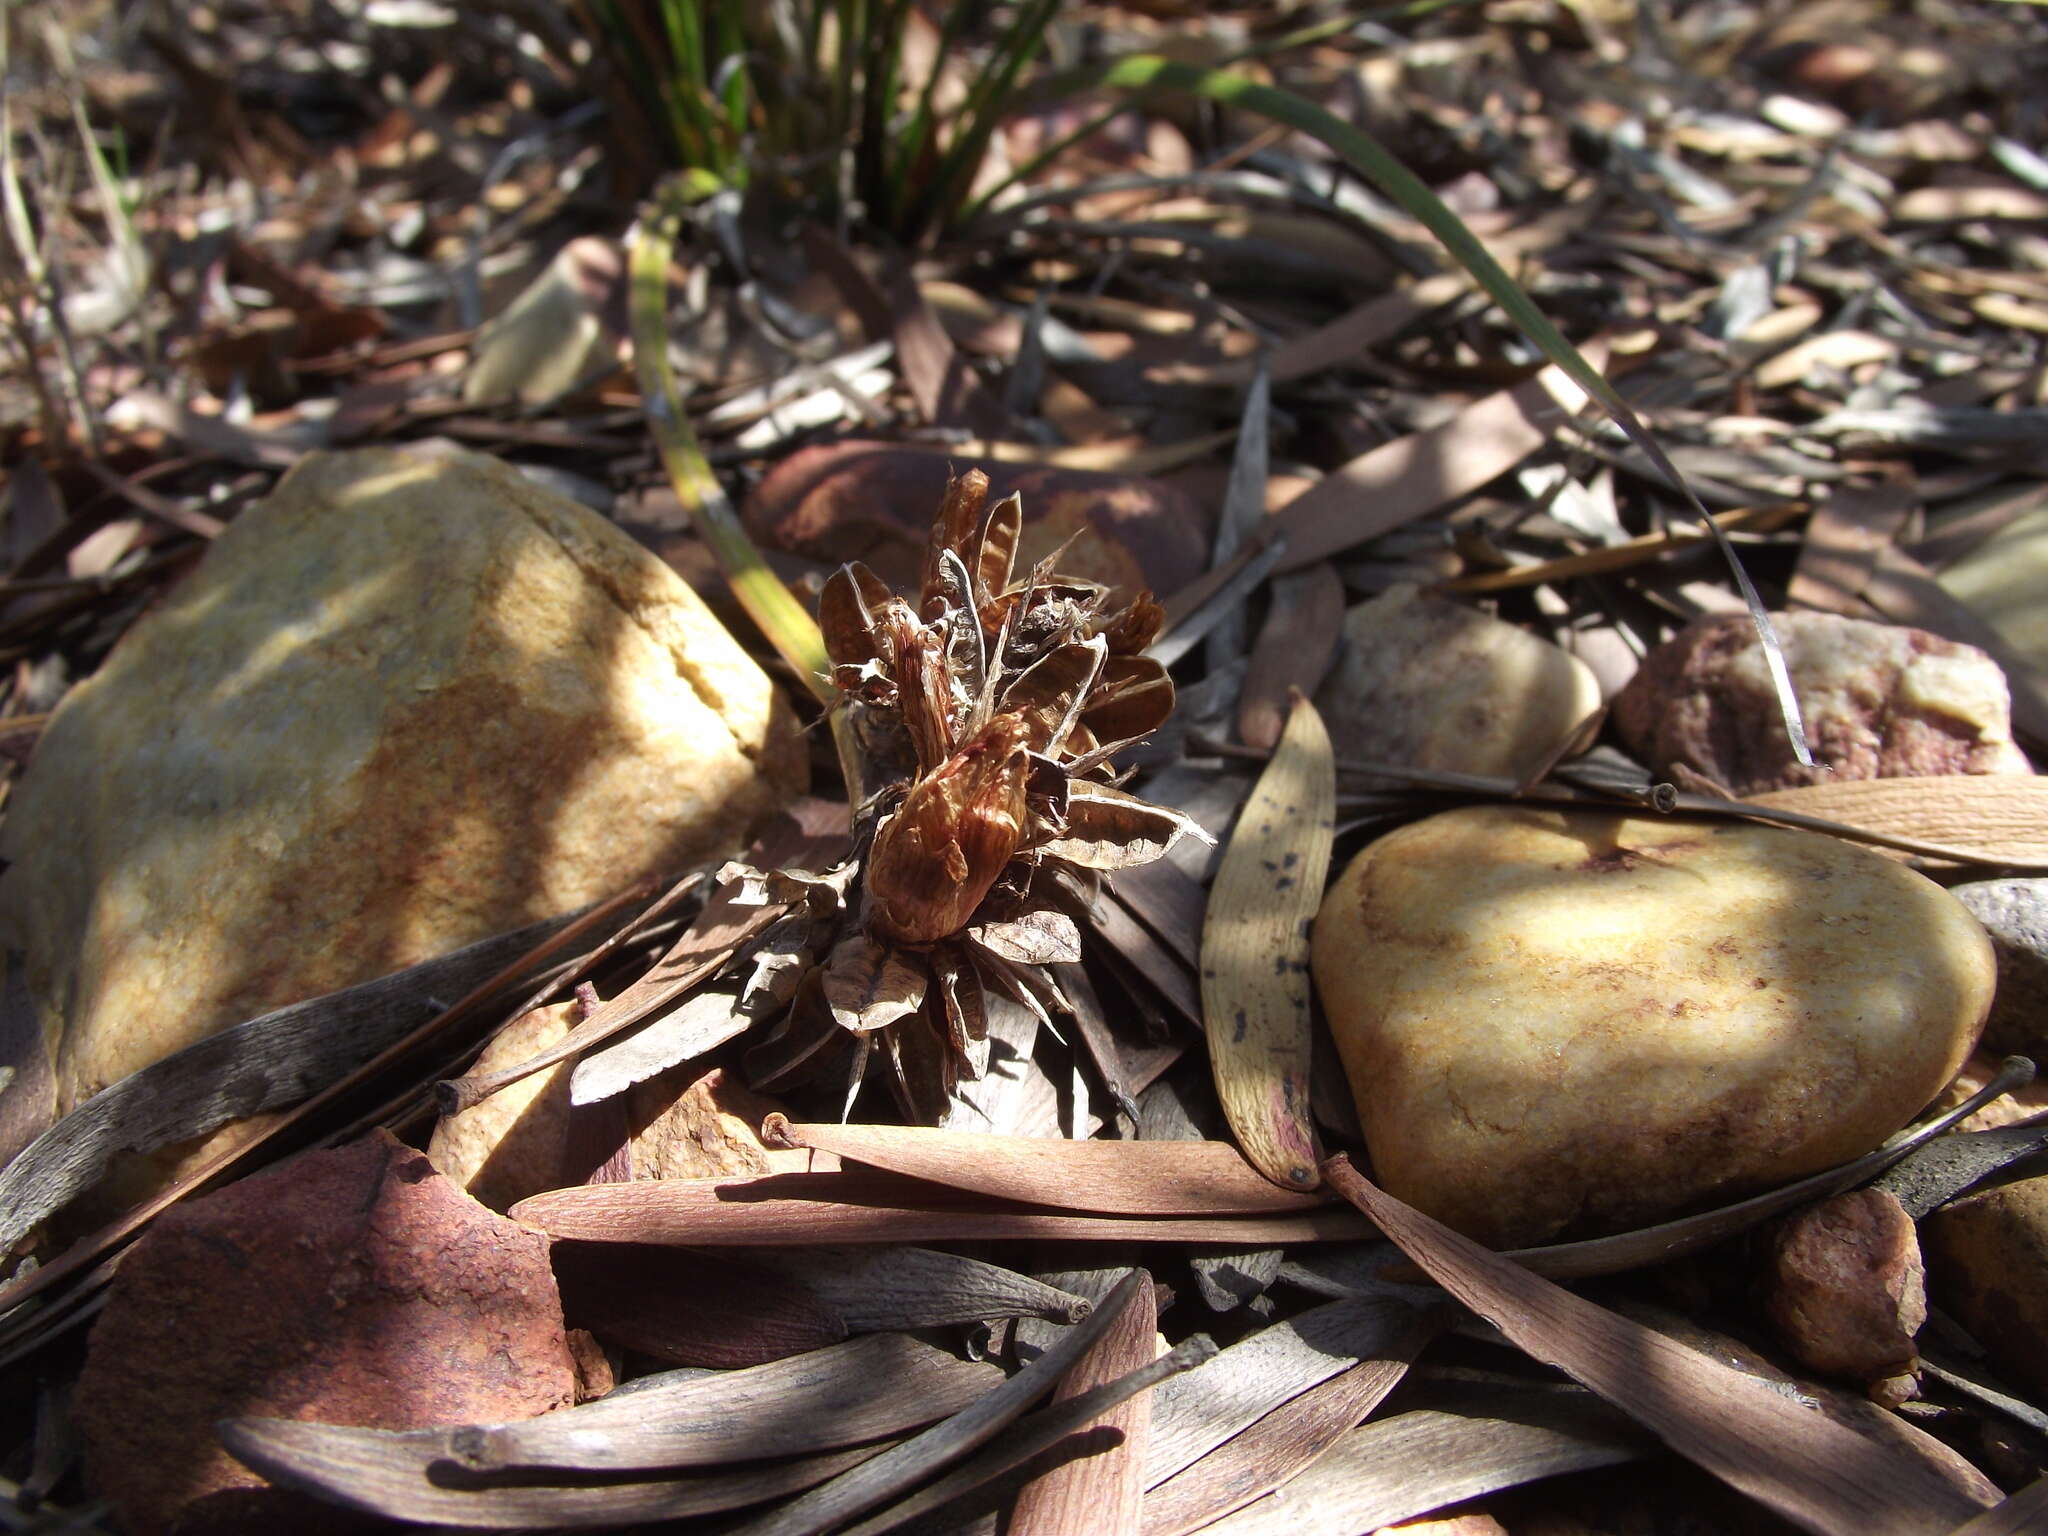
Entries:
{"x":985,"y":713}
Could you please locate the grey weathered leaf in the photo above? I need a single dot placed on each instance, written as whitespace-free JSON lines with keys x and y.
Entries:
{"x":1109,"y":829}
{"x":1042,"y":937}
{"x":868,"y":985}
{"x":1415,"y":1462}
{"x":701,"y":1022}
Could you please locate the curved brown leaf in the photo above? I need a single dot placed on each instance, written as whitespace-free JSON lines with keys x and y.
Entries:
{"x":1810,"y":1469}
{"x":1137,"y":1178}
{"x":1109,"y":829}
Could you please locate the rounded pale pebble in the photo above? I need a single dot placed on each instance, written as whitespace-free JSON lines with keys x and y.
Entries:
{"x":1576,"y":1022}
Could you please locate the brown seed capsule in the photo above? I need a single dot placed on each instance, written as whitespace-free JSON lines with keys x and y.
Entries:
{"x":937,"y":856}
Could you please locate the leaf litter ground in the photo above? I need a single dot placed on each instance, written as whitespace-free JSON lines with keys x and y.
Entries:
{"x":1810,"y":266}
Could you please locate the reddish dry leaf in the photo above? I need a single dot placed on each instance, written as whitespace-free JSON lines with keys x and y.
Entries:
{"x":1844,"y":539}
{"x":1100,"y":1493}
{"x":1293,"y":652}
{"x":1811,"y":1470}
{"x":691,"y":1212}
{"x":1413,"y":476}
{"x":1124,"y":1178}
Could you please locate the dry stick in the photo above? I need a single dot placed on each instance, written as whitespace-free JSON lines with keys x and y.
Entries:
{"x":90,"y":1248}
{"x":867,"y":1485}
{"x":1040,"y":1432}
{"x":1807,"y":1468}
{"x":1660,"y":797}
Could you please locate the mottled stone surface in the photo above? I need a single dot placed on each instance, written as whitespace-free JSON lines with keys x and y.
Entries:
{"x":1880,"y":701}
{"x":1575,"y":1022}
{"x":2015,"y":914}
{"x":874,"y":502}
{"x":355,"y":1286}
{"x":1987,"y":1256}
{"x":403,"y":704}
{"x":686,"y":1122}
{"x":1425,"y":682}
{"x":1846,"y":1288}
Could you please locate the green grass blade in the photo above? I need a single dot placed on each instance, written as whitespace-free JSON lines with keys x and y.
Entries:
{"x":985,"y":107}
{"x":792,"y":631}
{"x":1371,"y":160}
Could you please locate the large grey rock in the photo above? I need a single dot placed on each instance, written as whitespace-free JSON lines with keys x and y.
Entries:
{"x":2015,"y":914}
{"x":404,"y":703}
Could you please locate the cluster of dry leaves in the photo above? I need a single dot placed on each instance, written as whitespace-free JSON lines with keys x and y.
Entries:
{"x":1815,"y":266}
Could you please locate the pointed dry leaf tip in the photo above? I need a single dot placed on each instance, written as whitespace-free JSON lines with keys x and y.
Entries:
{"x":1254,"y":957}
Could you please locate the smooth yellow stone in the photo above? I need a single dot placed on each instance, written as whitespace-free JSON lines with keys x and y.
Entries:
{"x":1576,"y":1021}
{"x":406,"y":702}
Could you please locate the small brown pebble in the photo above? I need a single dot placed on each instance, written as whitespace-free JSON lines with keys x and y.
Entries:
{"x":1848,"y":1294}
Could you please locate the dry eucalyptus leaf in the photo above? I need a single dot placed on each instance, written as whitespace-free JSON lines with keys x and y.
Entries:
{"x":846,"y":1208}
{"x":1815,"y":1472}
{"x":1255,"y":980}
{"x":1100,"y":1493}
{"x":1130,"y":1178}
{"x":1999,"y":817}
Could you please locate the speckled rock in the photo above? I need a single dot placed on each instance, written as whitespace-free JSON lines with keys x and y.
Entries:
{"x":686,"y":1122}
{"x":355,"y":1286}
{"x":1880,"y":701}
{"x":1424,"y":682}
{"x":2015,"y":914}
{"x":1569,"y":1022}
{"x":1847,"y":1290}
{"x":1987,"y":1255}
{"x":403,"y":704}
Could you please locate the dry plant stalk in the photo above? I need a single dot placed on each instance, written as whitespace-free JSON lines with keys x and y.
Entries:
{"x":980,"y":721}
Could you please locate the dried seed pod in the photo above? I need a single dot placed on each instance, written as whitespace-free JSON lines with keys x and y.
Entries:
{"x":985,"y":716}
